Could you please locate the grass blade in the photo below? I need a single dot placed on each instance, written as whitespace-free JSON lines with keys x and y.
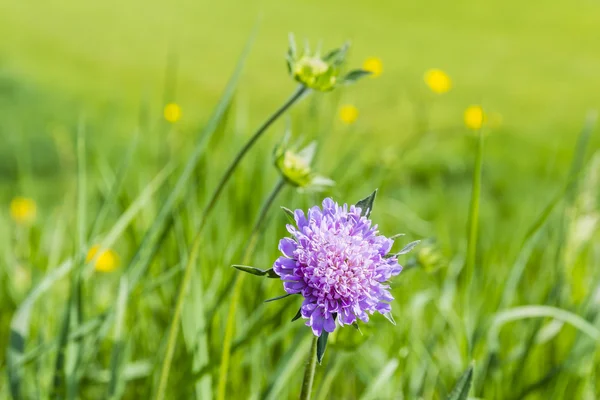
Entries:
{"x":138,"y":269}
{"x":537,"y":311}
{"x":473,"y":224}
{"x":287,"y":367}
{"x":19,"y":327}
{"x":116,"y":385}
{"x":461,"y":390}
{"x":371,"y":392}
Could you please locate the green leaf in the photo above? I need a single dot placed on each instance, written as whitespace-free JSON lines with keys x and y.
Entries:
{"x":353,"y":76}
{"x":298,"y":314}
{"x":338,"y":56}
{"x":269,"y":273}
{"x":283,"y":296}
{"x":397,"y":235}
{"x":322,"y":345}
{"x":289,"y":214}
{"x":366,"y":204}
{"x":390,"y":317}
{"x":461,"y":390}
{"x":322,"y":342}
{"x":408,"y":247}
{"x":292,"y":45}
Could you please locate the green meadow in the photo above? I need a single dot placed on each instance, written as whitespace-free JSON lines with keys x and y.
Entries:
{"x":119,"y":231}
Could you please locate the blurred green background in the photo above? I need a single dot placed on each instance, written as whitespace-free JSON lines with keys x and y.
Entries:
{"x":114,"y":65}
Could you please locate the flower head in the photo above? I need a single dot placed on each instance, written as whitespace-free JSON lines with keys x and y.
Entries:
{"x":438,"y":81}
{"x":321,"y":73}
{"x":348,"y":114}
{"x":374,"y":66}
{"x":172,"y":112}
{"x":295,"y":166}
{"x":339,"y":263}
{"x":23,"y":210}
{"x":106,"y":260}
{"x":474,"y":117}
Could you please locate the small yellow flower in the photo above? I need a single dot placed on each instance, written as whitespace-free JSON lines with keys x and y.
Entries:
{"x":172,"y":112}
{"x":374,"y":66}
{"x":438,"y":81}
{"x":474,"y":117}
{"x":23,"y":210}
{"x":106,"y":260}
{"x":348,"y":114}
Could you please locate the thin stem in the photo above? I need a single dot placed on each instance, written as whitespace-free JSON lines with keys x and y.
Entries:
{"x":229,"y":172}
{"x":174,"y":328}
{"x":237,"y":290}
{"x":309,"y":372}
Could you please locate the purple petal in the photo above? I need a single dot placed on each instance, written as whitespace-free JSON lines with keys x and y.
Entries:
{"x":287,"y":247}
{"x":346,"y":317}
{"x":301,"y":220}
{"x":316,"y":321}
{"x":294,"y":287}
{"x":329,"y":323}
{"x":284,"y":266}
{"x":383,"y":308}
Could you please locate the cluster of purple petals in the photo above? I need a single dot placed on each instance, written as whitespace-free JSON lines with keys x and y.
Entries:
{"x":337,"y":261}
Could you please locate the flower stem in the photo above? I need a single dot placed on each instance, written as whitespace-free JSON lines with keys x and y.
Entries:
{"x":175,"y":322}
{"x":309,"y":372}
{"x":237,"y":290}
{"x":293,"y":99}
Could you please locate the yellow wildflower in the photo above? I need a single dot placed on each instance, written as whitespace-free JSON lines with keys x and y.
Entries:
{"x":106,"y":260}
{"x":23,"y":210}
{"x":438,"y":81}
{"x":172,"y":112}
{"x":348,"y":114}
{"x":374,"y":66}
{"x":474,"y":117}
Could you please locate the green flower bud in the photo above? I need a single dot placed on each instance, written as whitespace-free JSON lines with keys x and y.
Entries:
{"x":320,"y":73}
{"x":430,"y":257}
{"x":295,"y":167}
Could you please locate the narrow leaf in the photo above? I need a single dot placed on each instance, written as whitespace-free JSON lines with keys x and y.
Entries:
{"x":278,"y":297}
{"x":322,"y":345}
{"x":289,"y":214}
{"x":408,"y":247}
{"x":292,"y":43}
{"x":461,"y":390}
{"x":322,"y":342}
{"x":366,"y":204}
{"x":269,"y":273}
{"x":353,"y":76}
{"x":298,"y":315}
{"x":390,"y":317}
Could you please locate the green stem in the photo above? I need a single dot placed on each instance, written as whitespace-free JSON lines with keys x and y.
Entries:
{"x":229,"y":172}
{"x":174,"y":327}
{"x":237,"y":290}
{"x":309,"y":372}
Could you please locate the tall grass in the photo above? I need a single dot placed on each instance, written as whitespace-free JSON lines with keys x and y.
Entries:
{"x":517,"y":292}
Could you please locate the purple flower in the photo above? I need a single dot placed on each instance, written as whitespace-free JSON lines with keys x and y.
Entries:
{"x":339,"y":263}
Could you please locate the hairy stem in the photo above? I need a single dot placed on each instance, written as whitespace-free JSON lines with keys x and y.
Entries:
{"x":309,"y":372}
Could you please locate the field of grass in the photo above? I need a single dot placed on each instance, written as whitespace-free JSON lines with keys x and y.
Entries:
{"x":507,"y":273}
